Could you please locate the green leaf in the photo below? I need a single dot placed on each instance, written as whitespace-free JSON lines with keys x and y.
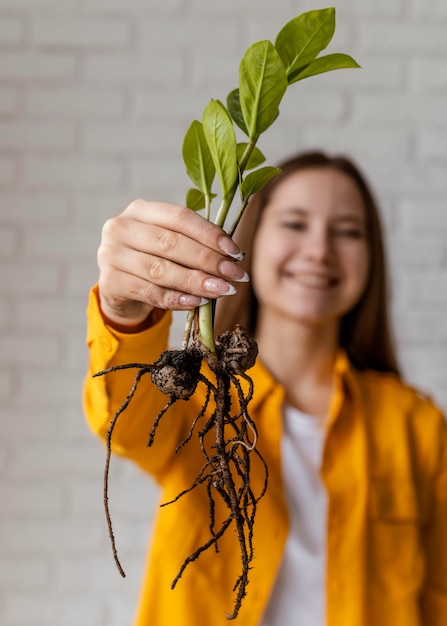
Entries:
{"x":254,"y":181}
{"x":304,"y":37}
{"x":256,"y":156}
{"x":195,"y":199}
{"x":326,"y":63}
{"x":262,"y":84}
{"x":221,"y":138}
{"x":197,"y":157}
{"x":234,"y":108}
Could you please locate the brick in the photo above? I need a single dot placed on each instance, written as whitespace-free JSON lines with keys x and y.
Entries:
{"x":135,"y":139}
{"x":34,"y":207}
{"x":11,"y":30}
{"x":48,"y":388}
{"x":33,"y":424}
{"x":33,"y":499}
{"x":9,"y":100}
{"x":51,"y":314}
{"x":148,"y":104}
{"x":94,"y":208}
{"x":42,"y":460}
{"x":422,"y":289}
{"x":81,"y":276}
{"x":50,"y":609}
{"x":6,"y":390}
{"x":411,"y":178}
{"x":23,"y":573}
{"x":385,"y":8}
{"x":39,"y":278}
{"x":414,"y":254}
{"x":54,"y":242}
{"x":43,"y":4}
{"x":424,"y":216}
{"x":390,"y":143}
{"x":6,"y":313}
{"x":162,"y":68}
{"x":30,"y":350}
{"x":28,"y":136}
{"x":98,"y":574}
{"x":398,"y":109}
{"x":433,"y":145}
{"x":32,"y":67}
{"x":425,"y":367}
{"x":315,"y":105}
{"x":158,"y":33}
{"x":434,"y":10}
{"x":215,"y":71}
{"x":401,"y":36}
{"x":167,"y":7}
{"x":421,"y":327}
{"x":51,"y":172}
{"x":133,"y":497}
{"x":49,"y":537}
{"x":252,"y":8}
{"x":429,"y":74}
{"x":80,"y":32}
{"x":75,"y":102}
{"x":8,"y":170}
{"x":9,"y":241}
{"x":158,"y":172}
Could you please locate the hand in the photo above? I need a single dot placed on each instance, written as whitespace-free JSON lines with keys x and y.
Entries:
{"x":158,"y":255}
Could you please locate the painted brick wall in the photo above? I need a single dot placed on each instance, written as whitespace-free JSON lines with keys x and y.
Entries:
{"x":95,"y":97}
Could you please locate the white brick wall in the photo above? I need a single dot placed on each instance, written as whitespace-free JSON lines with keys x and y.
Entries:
{"x":95,"y":97}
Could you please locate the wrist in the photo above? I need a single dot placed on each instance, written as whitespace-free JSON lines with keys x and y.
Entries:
{"x":127,"y":316}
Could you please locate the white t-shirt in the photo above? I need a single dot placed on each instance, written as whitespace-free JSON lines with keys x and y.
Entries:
{"x":298,"y":597}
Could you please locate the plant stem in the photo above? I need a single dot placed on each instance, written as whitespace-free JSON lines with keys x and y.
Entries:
{"x":206,"y":326}
{"x":206,"y":310}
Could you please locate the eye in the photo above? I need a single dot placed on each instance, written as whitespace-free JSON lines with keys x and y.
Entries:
{"x":350,"y":232}
{"x":294,"y":225}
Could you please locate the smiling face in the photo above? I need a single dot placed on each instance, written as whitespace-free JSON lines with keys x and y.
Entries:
{"x":310,"y":255}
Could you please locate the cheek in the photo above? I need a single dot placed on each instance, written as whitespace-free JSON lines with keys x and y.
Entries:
{"x":359,"y":268}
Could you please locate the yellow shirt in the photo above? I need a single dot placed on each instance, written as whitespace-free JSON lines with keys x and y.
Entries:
{"x":384,"y":468}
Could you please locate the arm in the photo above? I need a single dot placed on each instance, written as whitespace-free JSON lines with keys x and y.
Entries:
{"x":434,"y":597}
{"x":152,"y":258}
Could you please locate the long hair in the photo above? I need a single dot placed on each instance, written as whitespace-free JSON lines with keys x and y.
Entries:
{"x":365,"y":332}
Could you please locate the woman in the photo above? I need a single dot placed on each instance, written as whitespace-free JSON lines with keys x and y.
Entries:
{"x":350,"y":530}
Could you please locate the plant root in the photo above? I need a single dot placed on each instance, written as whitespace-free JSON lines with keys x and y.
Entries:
{"x":226,"y":472}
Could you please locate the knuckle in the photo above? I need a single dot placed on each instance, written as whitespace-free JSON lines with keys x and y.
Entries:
{"x":110,"y":229}
{"x":156,"y":269}
{"x":167,"y":241}
{"x":204,"y":257}
{"x":192,"y":282}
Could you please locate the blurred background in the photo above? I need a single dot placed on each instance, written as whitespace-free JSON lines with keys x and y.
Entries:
{"x":95,"y":98}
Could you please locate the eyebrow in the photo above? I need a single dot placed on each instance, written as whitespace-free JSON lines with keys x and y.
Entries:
{"x":339,"y":218}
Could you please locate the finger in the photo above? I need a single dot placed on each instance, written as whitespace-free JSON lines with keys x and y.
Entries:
{"x":121,"y":286}
{"x":187,"y":222}
{"x":164,"y":273}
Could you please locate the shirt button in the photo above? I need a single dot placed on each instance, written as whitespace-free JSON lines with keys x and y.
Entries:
{"x":105,"y":344}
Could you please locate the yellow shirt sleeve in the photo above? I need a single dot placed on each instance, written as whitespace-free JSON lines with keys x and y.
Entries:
{"x":104,"y":395}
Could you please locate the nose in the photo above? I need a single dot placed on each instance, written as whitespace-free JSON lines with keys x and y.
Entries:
{"x":318,"y":244}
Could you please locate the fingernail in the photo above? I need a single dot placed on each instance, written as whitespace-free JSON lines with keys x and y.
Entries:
{"x":192,"y":301}
{"x":232,"y":271}
{"x":228,"y":246}
{"x":219,"y":287}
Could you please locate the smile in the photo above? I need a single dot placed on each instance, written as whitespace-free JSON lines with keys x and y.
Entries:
{"x":314,"y":280}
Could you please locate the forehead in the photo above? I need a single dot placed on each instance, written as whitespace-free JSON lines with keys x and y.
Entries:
{"x":323,"y":190}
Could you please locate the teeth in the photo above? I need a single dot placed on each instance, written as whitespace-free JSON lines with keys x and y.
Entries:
{"x":314,"y":281}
